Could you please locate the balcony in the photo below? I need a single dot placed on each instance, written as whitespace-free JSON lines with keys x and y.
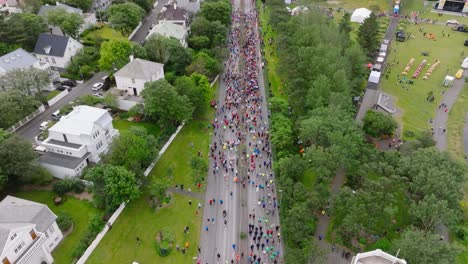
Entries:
{"x":35,"y":245}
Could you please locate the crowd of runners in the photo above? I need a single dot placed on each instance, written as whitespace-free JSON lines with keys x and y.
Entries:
{"x":241,"y":153}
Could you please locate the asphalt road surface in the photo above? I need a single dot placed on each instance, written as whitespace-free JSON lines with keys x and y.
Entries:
{"x":150,"y":19}
{"x":241,"y":195}
{"x":31,"y":129}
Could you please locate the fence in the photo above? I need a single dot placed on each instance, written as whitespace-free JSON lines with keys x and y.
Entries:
{"x":135,"y":31}
{"x":57,"y":97}
{"x":25,"y":120}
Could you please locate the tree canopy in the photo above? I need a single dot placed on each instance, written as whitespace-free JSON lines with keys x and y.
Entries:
{"x":115,"y":54}
{"x":125,"y":17}
{"x":14,"y":106}
{"x":22,"y":29}
{"x":378,"y":124}
{"x":217,"y":11}
{"x":368,"y":35}
{"x":168,"y":51}
{"x":69,"y":22}
{"x":196,"y":88}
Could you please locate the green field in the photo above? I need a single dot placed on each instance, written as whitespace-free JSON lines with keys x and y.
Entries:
{"x":411,"y":100}
{"x":80,"y":211}
{"x":456,"y":124}
{"x":123,"y":126}
{"x":381,"y":5}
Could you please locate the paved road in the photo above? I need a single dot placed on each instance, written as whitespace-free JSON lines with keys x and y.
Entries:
{"x":31,"y":129}
{"x":149,"y":20}
{"x":233,"y":143}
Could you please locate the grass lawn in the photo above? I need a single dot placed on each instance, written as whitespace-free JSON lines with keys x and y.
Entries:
{"x":105,"y":33}
{"x":80,"y":211}
{"x":416,"y":111}
{"x":140,"y":220}
{"x":123,"y":126}
{"x":456,"y":124}
{"x":52,"y":94}
{"x":353,"y":4}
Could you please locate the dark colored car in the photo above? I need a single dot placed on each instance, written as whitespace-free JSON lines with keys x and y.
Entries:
{"x":466,"y":43}
{"x":71,"y":83}
{"x":461,"y":28}
{"x":64,"y":87}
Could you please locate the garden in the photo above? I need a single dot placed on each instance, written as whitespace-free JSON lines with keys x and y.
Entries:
{"x":81,"y":212}
{"x":99,"y":34}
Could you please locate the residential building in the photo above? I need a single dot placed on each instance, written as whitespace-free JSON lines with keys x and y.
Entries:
{"x":174,"y":14}
{"x":10,"y":6}
{"x":88,"y":18}
{"x":170,"y":30}
{"x":101,"y":4}
{"x":133,"y":76}
{"x":21,"y":59}
{"x":192,"y":6}
{"x":28,"y":232}
{"x":56,"y":50}
{"x":376,"y":257}
{"x":76,"y":140}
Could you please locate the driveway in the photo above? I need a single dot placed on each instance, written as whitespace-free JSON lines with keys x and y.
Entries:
{"x":31,"y":129}
{"x":149,"y":20}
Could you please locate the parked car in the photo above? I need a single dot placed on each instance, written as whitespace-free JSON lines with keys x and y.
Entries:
{"x":64,"y":87}
{"x":43,"y":125}
{"x":461,"y":28}
{"x":99,"y":95}
{"x":56,"y":115}
{"x":452,"y":22}
{"x":71,"y":83}
{"x":466,"y":43}
{"x":97,"y":86}
{"x":40,"y":149}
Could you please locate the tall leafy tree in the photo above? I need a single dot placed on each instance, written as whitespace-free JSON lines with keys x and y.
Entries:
{"x":431,"y":212}
{"x":169,"y":52}
{"x":162,"y":103}
{"x":84,"y":5}
{"x":30,"y":81}
{"x":197,"y":92}
{"x":368,"y":35}
{"x":14,"y":106}
{"x":345,"y":24}
{"x":204,"y":64}
{"x":24,"y":29}
{"x":125,"y":17}
{"x":112,"y":185}
{"x":378,"y":124}
{"x":217,"y":11}
{"x":115,"y":54}
{"x":69,"y":22}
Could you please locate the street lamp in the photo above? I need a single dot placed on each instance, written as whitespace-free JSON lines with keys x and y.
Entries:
{"x":281,"y":196}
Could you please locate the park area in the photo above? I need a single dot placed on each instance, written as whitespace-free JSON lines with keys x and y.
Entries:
{"x":133,"y":235}
{"x":416,"y":110}
{"x":81,"y":212}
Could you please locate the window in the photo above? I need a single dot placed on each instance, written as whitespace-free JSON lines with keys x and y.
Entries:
{"x":46,"y":234}
{"x":46,"y":59}
{"x":13,"y":236}
{"x":65,"y":138}
{"x":53,"y":61}
{"x":133,"y":81}
{"x":19,"y":247}
{"x":51,"y":229}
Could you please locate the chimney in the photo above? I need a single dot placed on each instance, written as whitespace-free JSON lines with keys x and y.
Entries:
{"x":131,"y":57}
{"x":175,"y":5}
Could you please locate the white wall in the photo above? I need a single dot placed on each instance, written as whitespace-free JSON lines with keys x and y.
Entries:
{"x":125,"y":104}
{"x":125,"y":83}
{"x":57,"y":97}
{"x":73,"y":48}
{"x":54,"y":237}
{"x":60,"y":172}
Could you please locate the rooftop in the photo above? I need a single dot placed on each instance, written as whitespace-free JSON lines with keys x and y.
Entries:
{"x":69,"y":9}
{"x":81,"y":120}
{"x":64,"y":144}
{"x":62,"y":160}
{"x":169,"y":30}
{"x":17,"y":59}
{"x":172,"y":12}
{"x":52,"y":45}
{"x":16,"y":212}
{"x":140,"y":69}
{"x":376,"y":257}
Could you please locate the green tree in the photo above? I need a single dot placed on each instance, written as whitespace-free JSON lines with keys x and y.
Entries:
{"x":162,"y":103}
{"x":197,"y":94}
{"x":89,"y":56}
{"x":84,"y":5}
{"x":114,"y":54}
{"x":431,"y":212}
{"x":281,"y":134}
{"x":69,"y":22}
{"x":199,"y":42}
{"x":204,"y":64}
{"x":14,"y":106}
{"x":345,"y":24}
{"x":112,"y":185}
{"x":24,"y":29}
{"x":159,"y":187}
{"x":368,"y":35}
{"x":199,"y":168}
{"x":169,"y":52}
{"x":418,"y":247}
{"x":29,"y":81}
{"x":134,"y":150}
{"x":217,"y":11}
{"x":125,"y":17}
{"x":378,"y":124}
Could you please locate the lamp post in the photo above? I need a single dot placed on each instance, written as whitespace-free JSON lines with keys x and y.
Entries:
{"x":281,"y":196}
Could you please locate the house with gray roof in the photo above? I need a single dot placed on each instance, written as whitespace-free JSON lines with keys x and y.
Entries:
{"x":21,"y":59}
{"x":174,"y":14}
{"x":133,"y":76}
{"x":170,"y":30}
{"x":89,"y":19}
{"x":28,"y":232}
{"x":56,"y":50}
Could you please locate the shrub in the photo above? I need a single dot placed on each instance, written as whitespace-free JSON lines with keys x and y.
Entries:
{"x":60,"y":188}
{"x":64,"y":221}
{"x":90,"y":100}
{"x":383,"y":244}
{"x":378,"y":124}
{"x":165,"y":243}
{"x":68,"y":185}
{"x":409,"y":133}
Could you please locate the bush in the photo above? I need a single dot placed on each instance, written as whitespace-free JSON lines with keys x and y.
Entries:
{"x":383,"y":244}
{"x":378,"y":124}
{"x":409,"y":133}
{"x":164,"y":246}
{"x":90,"y":100}
{"x":68,"y":185}
{"x":64,"y":221}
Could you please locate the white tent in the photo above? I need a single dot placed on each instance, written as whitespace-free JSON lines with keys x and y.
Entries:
{"x":465,"y":63}
{"x":360,"y":14}
{"x":374,"y":77}
{"x":448,"y":80}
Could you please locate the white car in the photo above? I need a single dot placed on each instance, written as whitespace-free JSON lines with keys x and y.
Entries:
{"x":97,"y":86}
{"x":452,"y":22}
{"x":44,"y":125}
{"x":99,"y":95}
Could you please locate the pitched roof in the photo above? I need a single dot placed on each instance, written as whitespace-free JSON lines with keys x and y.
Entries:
{"x":140,"y":69}
{"x":16,"y":212}
{"x":169,"y":29}
{"x":172,"y":12}
{"x":45,"y":8}
{"x":18,"y":59}
{"x":52,"y":45}
{"x":81,"y":120}
{"x":62,"y":160}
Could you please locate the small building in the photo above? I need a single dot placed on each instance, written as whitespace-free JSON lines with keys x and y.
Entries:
{"x":376,"y":257}
{"x":192,"y":6}
{"x":21,"y":59}
{"x":174,"y":14}
{"x":360,"y":14}
{"x":133,"y":76}
{"x":56,"y":50}
{"x":76,"y":140}
{"x":28,"y":232}
{"x":89,"y":19}
{"x":170,"y":30}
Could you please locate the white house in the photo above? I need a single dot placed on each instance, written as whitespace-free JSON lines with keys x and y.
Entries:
{"x":170,"y":30}
{"x":376,"y":257}
{"x":28,"y":232}
{"x":21,"y":59}
{"x":193,"y":6}
{"x":56,"y":50}
{"x":89,"y":19}
{"x":76,"y":140}
{"x":133,"y":76}
{"x":174,"y":14}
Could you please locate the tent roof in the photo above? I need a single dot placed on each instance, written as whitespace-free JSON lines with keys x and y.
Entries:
{"x":360,"y":14}
{"x":374,"y":77}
